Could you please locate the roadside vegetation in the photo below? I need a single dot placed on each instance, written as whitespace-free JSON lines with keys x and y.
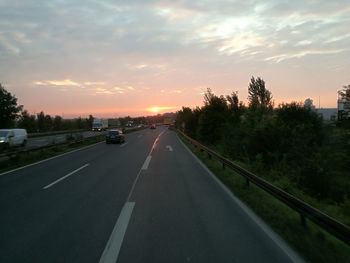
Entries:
{"x":312,"y":243}
{"x":288,"y":145}
{"x":13,"y":115}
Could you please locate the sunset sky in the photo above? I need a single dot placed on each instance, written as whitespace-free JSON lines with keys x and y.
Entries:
{"x":117,"y":58}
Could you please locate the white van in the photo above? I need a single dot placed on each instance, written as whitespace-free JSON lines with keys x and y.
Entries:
{"x":13,"y":137}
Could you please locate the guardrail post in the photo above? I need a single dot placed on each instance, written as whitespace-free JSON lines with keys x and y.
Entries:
{"x":223,"y":166}
{"x":209,"y":155}
{"x":247,"y":182}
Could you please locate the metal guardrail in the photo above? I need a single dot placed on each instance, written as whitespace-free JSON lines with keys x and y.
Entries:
{"x":16,"y":152}
{"x":42,"y":134}
{"x":326,"y":222}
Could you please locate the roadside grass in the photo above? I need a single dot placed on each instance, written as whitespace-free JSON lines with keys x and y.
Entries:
{"x":29,"y":157}
{"x":311,"y":242}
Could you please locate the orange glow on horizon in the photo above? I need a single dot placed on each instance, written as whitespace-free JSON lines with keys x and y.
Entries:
{"x":154,"y":109}
{"x":157,"y":109}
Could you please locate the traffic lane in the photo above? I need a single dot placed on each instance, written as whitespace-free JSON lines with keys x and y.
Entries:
{"x":182,"y":215}
{"x":71,"y":222}
{"x":21,"y":184}
{"x":55,"y":224}
{"x":62,"y":160}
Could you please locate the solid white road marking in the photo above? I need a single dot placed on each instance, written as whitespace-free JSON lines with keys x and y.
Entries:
{"x":269,"y":232}
{"x":125,"y":143}
{"x":146,"y":163}
{"x":169,"y":148}
{"x":64,"y":177}
{"x":111,"y":252}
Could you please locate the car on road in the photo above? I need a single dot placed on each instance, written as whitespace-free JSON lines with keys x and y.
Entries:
{"x":115,"y":136}
{"x":153,"y":126}
{"x":13,"y":137}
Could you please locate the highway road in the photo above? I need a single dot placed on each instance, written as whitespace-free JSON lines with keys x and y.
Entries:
{"x":147,"y":200}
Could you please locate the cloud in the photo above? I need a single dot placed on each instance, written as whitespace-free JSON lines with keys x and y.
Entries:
{"x":100,"y":90}
{"x":162,"y":28}
{"x":304,"y":42}
{"x":65,"y":82}
{"x":92,"y":83}
{"x":149,"y":67}
{"x":8,"y":45}
{"x":40,"y":83}
{"x":105,"y":92}
{"x":301,"y":54}
{"x":177,"y":91}
{"x":141,"y":66}
{"x":118,"y":88}
{"x":157,"y":44}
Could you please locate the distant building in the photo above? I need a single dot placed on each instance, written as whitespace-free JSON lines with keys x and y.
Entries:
{"x":328,"y":114}
{"x":344,"y":104}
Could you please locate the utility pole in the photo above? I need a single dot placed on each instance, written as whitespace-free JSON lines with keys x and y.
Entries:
{"x":319,"y":102}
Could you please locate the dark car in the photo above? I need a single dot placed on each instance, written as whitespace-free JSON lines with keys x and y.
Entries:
{"x":153,"y":126}
{"x":115,"y":136}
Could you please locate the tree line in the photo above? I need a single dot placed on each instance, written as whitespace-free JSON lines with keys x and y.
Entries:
{"x":288,"y":143}
{"x":42,"y":122}
{"x":13,"y":115}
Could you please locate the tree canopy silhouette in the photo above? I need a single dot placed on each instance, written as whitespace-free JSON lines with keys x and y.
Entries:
{"x":9,"y":109}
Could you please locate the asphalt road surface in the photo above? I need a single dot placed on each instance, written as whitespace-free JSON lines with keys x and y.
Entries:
{"x":147,"y":200}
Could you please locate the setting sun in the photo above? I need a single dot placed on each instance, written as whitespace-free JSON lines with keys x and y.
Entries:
{"x":154,"y":109}
{"x":158,"y":109}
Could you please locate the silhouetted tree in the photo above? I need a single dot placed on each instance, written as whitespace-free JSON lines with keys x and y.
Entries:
{"x":309,"y":103}
{"x":44,"y":122}
{"x":235,"y":107}
{"x":258,"y":95}
{"x":9,"y":110}
{"x":27,"y":121}
{"x":57,"y":123}
{"x":79,"y":123}
{"x":344,"y":113}
{"x":187,"y":120}
{"x":89,"y":122}
{"x":213,"y":117}
{"x":48,"y":123}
